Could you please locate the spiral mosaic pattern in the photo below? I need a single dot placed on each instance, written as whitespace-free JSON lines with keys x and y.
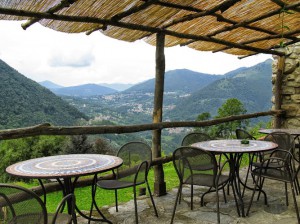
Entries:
{"x":235,"y":146}
{"x":64,"y":166}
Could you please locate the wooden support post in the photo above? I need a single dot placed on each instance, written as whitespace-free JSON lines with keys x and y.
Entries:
{"x":278,"y":91}
{"x":159,"y":184}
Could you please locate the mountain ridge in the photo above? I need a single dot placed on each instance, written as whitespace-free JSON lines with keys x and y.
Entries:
{"x":84,"y":90}
{"x":25,"y":103}
{"x":178,"y":80}
{"x":251,"y":85}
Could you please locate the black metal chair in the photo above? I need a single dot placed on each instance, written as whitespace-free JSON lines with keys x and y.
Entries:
{"x":195,"y":166}
{"x":280,"y":166}
{"x":19,"y":205}
{"x":194,"y":137}
{"x":137,"y":157}
{"x":285,"y":142}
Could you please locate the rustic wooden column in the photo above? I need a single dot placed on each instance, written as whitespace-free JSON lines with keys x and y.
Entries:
{"x":278,"y":90}
{"x":159,"y":184}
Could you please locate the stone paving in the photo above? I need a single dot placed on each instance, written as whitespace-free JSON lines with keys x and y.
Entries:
{"x":276,"y":211}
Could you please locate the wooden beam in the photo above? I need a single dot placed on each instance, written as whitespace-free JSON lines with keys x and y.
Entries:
{"x":47,"y":129}
{"x":159,"y":183}
{"x":132,"y":26}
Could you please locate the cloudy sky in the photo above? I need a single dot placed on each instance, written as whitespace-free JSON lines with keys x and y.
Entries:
{"x":73,"y":59}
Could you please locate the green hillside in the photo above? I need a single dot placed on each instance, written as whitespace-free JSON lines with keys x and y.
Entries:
{"x":26,"y":103}
{"x":252,"y":86}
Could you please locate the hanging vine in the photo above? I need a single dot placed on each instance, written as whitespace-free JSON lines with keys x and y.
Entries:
{"x":283,"y":27}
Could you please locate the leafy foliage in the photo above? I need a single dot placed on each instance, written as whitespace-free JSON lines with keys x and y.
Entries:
{"x":12,"y":151}
{"x":231,"y":107}
{"x":81,"y":144}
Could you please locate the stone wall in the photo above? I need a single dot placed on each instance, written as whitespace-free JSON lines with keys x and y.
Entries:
{"x":290,"y":86}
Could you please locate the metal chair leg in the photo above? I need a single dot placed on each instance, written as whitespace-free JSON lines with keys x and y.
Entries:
{"x":192,"y":198}
{"x":116,"y":200}
{"x":252,"y":196}
{"x":176,"y":201}
{"x":151,"y":197}
{"x":135,"y":205}
{"x":218,"y":205}
{"x":286,"y":194}
{"x":295,"y":201}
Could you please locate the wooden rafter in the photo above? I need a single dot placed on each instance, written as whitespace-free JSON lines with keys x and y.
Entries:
{"x":61,"y":5}
{"x":296,"y":39}
{"x":128,"y":12}
{"x":132,"y":26}
{"x":246,"y":25}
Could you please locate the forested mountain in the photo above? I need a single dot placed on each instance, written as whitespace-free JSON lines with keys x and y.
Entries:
{"x":252,"y":86}
{"x":25,"y":102}
{"x":179,"y":80}
{"x":84,"y":90}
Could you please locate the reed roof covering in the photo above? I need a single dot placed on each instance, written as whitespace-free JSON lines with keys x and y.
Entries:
{"x":239,"y":27}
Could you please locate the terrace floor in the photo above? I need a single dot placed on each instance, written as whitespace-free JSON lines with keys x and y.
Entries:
{"x":276,"y":212}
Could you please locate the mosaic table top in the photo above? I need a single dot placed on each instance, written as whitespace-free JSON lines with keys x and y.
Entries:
{"x":64,"y":166}
{"x":235,"y":146}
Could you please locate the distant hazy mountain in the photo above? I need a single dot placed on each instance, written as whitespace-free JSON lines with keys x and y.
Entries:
{"x":26,"y":103}
{"x":252,"y":86}
{"x":183,"y":80}
{"x":84,"y":90}
{"x":117,"y":86}
{"x":50,"y":85}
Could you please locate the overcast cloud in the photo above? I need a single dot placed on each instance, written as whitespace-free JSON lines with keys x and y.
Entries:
{"x":73,"y":59}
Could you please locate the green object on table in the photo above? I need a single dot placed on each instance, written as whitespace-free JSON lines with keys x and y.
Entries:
{"x":245,"y":141}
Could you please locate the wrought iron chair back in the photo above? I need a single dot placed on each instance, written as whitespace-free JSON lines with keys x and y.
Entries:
{"x":19,"y":205}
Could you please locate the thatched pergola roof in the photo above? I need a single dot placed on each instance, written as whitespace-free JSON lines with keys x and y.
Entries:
{"x":239,"y":27}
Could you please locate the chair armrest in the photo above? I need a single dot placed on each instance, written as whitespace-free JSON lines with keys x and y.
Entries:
{"x":62,"y":204}
{"x":281,"y":162}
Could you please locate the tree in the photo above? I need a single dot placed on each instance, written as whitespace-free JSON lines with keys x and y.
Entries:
{"x":203,"y":117}
{"x":102,"y":146}
{"x":78,"y":144}
{"x":231,"y":107}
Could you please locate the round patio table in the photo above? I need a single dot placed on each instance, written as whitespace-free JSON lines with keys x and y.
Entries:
{"x":235,"y":149}
{"x":66,"y":167}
